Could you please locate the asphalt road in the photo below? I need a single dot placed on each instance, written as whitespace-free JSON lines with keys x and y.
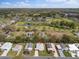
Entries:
{"x":2,"y":57}
{"x":48,"y":57}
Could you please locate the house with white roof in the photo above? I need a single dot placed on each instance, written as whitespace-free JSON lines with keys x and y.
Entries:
{"x":3,"y":25}
{"x":28,"y":19}
{"x":77,"y":34}
{"x":73,"y":48}
{"x":0,"y":44}
{"x":17,"y":47}
{"x":29,"y":47}
{"x":50,"y":47}
{"x":42,"y":34}
{"x":29,"y":34}
{"x":59,"y":47}
{"x":60,"y":50}
{"x":64,"y":47}
{"x":6,"y":46}
{"x":40,"y":47}
{"x":78,"y":54}
{"x":13,"y":21}
{"x":54,"y":50}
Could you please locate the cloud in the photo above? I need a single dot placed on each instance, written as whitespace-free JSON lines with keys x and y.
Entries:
{"x":64,"y":3}
{"x":55,"y":1}
{"x":21,"y":4}
{"x":5,"y":3}
{"x":40,"y":4}
{"x":44,"y":5}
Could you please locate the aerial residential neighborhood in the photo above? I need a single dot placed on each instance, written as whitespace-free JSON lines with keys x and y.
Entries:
{"x":47,"y":34}
{"x":39,"y":29}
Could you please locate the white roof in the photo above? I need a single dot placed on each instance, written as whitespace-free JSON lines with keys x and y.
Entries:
{"x":30,"y":32}
{"x":53,"y":46}
{"x":78,"y":54}
{"x":6,"y":45}
{"x":77,"y":34}
{"x":42,"y":34}
{"x":72,"y":47}
{"x":29,"y":46}
{"x":13,"y":21}
{"x":40,"y":46}
{"x":0,"y":44}
{"x":17,"y":47}
{"x":58,"y":46}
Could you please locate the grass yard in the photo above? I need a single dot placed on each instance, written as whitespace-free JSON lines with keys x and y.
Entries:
{"x":12,"y":53}
{"x":1,"y":52}
{"x":45,"y":53}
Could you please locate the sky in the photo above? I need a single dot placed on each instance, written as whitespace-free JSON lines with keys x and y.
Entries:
{"x":39,"y":3}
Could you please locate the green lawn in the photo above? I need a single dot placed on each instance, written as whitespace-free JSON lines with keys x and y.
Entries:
{"x":45,"y":53}
{"x":12,"y":53}
{"x":1,"y":52}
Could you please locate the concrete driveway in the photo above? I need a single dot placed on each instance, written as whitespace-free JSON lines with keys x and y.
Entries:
{"x":36,"y":53}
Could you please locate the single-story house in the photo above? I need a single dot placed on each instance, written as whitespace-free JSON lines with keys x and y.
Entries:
{"x":42,"y":34}
{"x":6,"y":46}
{"x":60,"y":50}
{"x":0,"y":44}
{"x":50,"y":47}
{"x":59,"y":47}
{"x":64,"y":47}
{"x":78,"y":54}
{"x":61,"y":54}
{"x":73,"y":48}
{"x":77,"y":45}
{"x":29,"y":47}
{"x":77,"y":33}
{"x":17,"y":47}
{"x":13,"y":21}
{"x":53,"y":47}
{"x":29,"y":34}
{"x":40,"y":46}
{"x":28,"y":19}
{"x":3,"y":25}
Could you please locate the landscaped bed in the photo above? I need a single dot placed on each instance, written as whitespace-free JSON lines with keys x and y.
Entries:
{"x":67,"y":54}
